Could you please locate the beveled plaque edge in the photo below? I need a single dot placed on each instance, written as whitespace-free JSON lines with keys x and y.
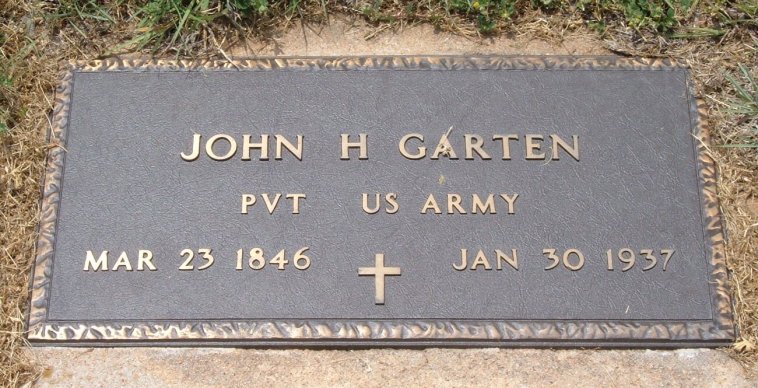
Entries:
{"x":716,"y":332}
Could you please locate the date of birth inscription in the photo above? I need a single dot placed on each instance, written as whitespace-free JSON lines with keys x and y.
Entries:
{"x":197,"y":260}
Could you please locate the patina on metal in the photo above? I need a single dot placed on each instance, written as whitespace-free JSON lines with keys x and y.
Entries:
{"x":380,"y":201}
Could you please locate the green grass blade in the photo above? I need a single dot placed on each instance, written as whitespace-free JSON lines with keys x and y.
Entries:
{"x":180,"y":26}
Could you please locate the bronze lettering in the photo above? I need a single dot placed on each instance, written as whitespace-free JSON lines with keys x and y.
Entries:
{"x":532,"y":146}
{"x":145,"y":259}
{"x":213,"y":140}
{"x":366,"y":208}
{"x":247,"y":201}
{"x":431,"y":203}
{"x":195,"y":149}
{"x":474,"y":147}
{"x":392,"y":201}
{"x":420,"y":151}
{"x":271,"y":202}
{"x":474,"y":144}
{"x":487,"y":206}
{"x":511,"y":200}
{"x":464,"y":260}
{"x":122,"y":261}
{"x":481,"y":259}
{"x":295,"y":202}
{"x":505,"y":139}
{"x":444,"y":147}
{"x":99,"y":264}
{"x":512,"y":260}
{"x":247,"y":145}
{"x":361,"y":144}
{"x":572,"y":149}
{"x":282,"y":142}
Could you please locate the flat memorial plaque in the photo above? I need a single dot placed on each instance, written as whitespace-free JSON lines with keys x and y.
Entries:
{"x":388,"y":201}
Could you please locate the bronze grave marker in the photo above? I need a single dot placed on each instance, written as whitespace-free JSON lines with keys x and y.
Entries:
{"x":388,"y":201}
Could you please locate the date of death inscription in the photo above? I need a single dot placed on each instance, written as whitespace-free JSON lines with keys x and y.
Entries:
{"x":256,"y":260}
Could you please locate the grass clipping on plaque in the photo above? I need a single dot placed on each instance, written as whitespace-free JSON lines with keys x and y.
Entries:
{"x":716,"y":38}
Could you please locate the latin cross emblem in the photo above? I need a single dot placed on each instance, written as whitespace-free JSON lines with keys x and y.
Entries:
{"x":379,"y":271}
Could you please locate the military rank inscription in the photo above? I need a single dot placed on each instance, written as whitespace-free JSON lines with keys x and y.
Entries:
{"x":388,"y":201}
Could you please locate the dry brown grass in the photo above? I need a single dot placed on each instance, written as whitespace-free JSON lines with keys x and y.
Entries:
{"x":33,"y":44}
{"x":21,"y":157}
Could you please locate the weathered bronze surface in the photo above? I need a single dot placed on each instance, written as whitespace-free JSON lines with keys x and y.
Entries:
{"x":388,"y":201}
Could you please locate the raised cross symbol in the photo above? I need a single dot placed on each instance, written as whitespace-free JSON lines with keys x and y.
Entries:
{"x":379,"y":271}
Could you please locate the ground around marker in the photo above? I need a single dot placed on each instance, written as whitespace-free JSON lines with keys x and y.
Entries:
{"x":22,"y":151}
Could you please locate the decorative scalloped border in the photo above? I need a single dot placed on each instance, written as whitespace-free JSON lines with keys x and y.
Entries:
{"x":720,"y":331}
